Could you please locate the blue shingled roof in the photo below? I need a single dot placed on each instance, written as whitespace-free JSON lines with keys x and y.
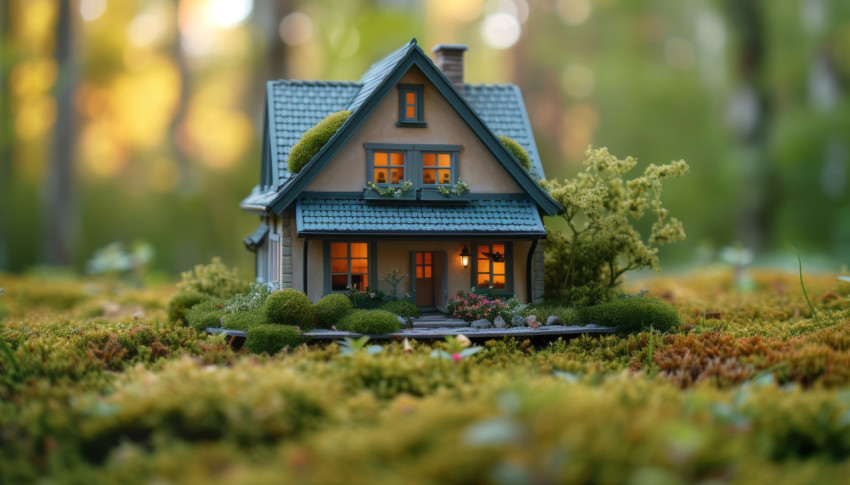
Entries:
{"x":501,"y":107}
{"x":295,"y":106}
{"x":379,"y":71}
{"x":330,"y":215}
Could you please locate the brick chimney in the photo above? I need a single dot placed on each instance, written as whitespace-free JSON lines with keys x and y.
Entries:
{"x":450,"y":61}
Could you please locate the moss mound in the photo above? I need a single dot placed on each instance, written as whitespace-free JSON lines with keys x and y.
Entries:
{"x":402,"y":308}
{"x":271,"y":339}
{"x":370,"y":321}
{"x":633,"y":315}
{"x":182,"y":301}
{"x":314,"y":139}
{"x":205,"y":314}
{"x":517,"y":150}
{"x":330,"y":309}
{"x":244,"y":320}
{"x":290,"y":307}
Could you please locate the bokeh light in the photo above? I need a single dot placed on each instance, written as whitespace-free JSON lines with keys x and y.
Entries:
{"x":574,"y":12}
{"x":91,"y":10}
{"x":227,"y":13}
{"x":500,"y":30}
{"x":577,"y":81}
{"x":296,"y":29}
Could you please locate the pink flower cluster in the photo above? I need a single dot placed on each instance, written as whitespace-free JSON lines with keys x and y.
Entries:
{"x":471,"y":307}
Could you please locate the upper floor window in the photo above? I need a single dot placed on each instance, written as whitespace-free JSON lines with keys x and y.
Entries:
{"x":437,"y":168}
{"x":425,"y":166}
{"x":387,"y":167}
{"x":411,"y":105}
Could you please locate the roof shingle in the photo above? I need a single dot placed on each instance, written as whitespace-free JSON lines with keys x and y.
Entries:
{"x":330,"y":215}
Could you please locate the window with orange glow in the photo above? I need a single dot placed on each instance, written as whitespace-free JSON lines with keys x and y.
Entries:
{"x":491,"y":269}
{"x":387,"y":167}
{"x":424,"y":267}
{"x":437,"y":168}
{"x":411,"y":105}
{"x":349,"y":266}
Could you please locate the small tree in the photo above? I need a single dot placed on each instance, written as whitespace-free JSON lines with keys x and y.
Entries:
{"x":599,"y":207}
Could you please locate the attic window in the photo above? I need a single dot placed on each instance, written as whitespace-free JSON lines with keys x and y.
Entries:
{"x":411,"y":105}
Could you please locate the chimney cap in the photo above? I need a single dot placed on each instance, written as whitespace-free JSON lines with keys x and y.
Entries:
{"x":449,"y":47}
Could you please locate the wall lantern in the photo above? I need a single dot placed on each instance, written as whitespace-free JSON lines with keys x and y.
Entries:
{"x":464,"y":257}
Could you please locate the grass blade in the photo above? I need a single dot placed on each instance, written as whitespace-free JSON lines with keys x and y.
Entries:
{"x":803,"y":286}
{"x":10,"y":355}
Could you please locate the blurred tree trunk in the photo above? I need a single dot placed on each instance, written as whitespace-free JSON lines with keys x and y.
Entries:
{"x":5,"y":131}
{"x":750,"y":109}
{"x":269,"y":14}
{"x":180,"y":159}
{"x":60,"y":217}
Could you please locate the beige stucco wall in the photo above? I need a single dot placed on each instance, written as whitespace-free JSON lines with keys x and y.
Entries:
{"x":347,"y":171}
{"x":396,"y":254}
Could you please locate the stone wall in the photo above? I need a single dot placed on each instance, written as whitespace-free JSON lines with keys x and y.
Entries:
{"x":537,"y":265}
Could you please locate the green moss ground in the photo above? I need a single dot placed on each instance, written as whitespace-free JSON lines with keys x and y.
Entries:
{"x":103,"y":390}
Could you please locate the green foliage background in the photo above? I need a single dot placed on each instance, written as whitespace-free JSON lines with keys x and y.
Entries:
{"x":165,"y":136}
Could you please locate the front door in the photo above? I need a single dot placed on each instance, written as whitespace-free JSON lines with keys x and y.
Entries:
{"x":424,"y":272}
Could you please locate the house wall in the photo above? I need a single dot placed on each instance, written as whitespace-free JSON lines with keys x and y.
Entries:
{"x":315,"y":264}
{"x":477,"y":166}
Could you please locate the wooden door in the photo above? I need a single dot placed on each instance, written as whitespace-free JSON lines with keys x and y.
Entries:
{"x":424,"y":272}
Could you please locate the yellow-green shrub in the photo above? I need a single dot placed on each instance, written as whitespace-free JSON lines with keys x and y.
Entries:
{"x":271,"y":339}
{"x":290,"y":307}
{"x":330,"y":309}
{"x":369,"y":322}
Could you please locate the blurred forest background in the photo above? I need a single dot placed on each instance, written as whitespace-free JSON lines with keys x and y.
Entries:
{"x":140,"y":120}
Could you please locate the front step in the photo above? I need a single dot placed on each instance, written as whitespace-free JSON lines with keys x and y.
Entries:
{"x":438,"y":321}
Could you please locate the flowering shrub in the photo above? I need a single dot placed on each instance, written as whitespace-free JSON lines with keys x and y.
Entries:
{"x":470,"y":307}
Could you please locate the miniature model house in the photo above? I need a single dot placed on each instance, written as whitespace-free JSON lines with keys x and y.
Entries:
{"x":415,"y":179}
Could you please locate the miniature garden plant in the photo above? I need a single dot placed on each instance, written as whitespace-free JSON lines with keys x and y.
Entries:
{"x":600,"y":243}
{"x":392,"y":191}
{"x":290,"y":307}
{"x":369,"y":322}
{"x":332,"y":308}
{"x":457,"y":189}
{"x":271,"y":339}
{"x":214,"y":280}
{"x":394,"y":278}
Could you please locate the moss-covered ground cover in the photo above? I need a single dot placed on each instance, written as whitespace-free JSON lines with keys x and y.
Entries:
{"x":98,"y":387}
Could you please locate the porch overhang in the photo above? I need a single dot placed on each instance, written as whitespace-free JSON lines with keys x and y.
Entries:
{"x":486,"y":218}
{"x":255,"y":239}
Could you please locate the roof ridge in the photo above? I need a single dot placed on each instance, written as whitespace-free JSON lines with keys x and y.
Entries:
{"x":488,"y":85}
{"x":314,"y":82}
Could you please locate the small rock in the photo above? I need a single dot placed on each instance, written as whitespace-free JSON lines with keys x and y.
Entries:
{"x":531,"y":321}
{"x":518,"y":321}
{"x":482,"y":323}
{"x":553,"y":320}
{"x":500,"y":322}
{"x":591,"y":325}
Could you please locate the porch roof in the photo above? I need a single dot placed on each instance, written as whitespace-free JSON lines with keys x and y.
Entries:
{"x":343,"y":216}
